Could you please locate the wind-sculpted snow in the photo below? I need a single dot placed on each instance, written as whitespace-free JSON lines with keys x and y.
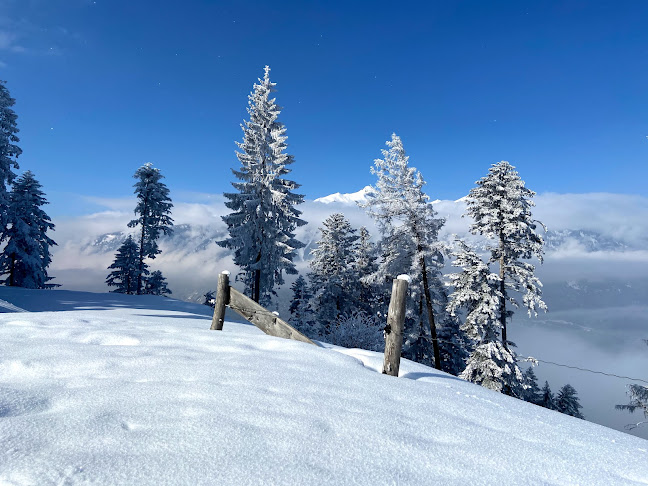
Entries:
{"x":148,"y":395}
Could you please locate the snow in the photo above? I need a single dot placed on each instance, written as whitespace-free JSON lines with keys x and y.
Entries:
{"x":112,"y":389}
{"x":354,"y":197}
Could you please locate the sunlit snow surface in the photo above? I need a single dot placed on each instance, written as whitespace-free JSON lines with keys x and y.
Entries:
{"x":138,"y":390}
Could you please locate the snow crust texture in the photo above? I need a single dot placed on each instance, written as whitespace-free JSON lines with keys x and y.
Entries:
{"x":116,"y":394}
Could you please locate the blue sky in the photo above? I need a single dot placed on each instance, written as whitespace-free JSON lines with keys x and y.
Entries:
{"x":556,"y":88}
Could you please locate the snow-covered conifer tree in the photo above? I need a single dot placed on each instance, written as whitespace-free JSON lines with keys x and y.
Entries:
{"x":638,"y":400}
{"x":209,"y":298}
{"x":500,"y":206}
{"x":365,"y":265}
{"x":153,"y":212}
{"x":9,"y":151}
{"x":27,"y":255}
{"x":409,"y":229}
{"x":126,"y":273}
{"x":301,"y":312}
{"x":548,"y":400}
{"x":533,"y":393}
{"x":332,"y":274}
{"x":477,"y":292}
{"x":264,"y":214}
{"x":156,"y":284}
{"x":567,"y":402}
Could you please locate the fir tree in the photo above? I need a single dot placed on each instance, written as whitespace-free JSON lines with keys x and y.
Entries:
{"x":567,"y":402}
{"x":127,"y":270}
{"x":533,"y":393}
{"x":27,"y":255}
{"x":156,"y":284}
{"x":9,"y":152}
{"x":365,"y":265}
{"x":638,"y":401}
{"x":153,"y":210}
{"x":301,"y":312}
{"x":332,"y":274}
{"x":264,"y":217}
{"x":548,"y":400}
{"x":209,"y":298}
{"x":500,"y":207}
{"x":409,"y":229}
{"x":477,"y":292}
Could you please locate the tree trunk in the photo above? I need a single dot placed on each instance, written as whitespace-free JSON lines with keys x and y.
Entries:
{"x":256,"y":290}
{"x":141,"y":251}
{"x":428,"y":304}
{"x":502,"y":306}
{"x":12,"y":272}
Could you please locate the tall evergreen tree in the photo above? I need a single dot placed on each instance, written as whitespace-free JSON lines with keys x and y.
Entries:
{"x":127,"y":271}
{"x":477,"y":292}
{"x":638,"y":400}
{"x":153,"y":212}
{"x":500,"y":207}
{"x":548,"y":399}
{"x":301,"y":312}
{"x":156,"y":284}
{"x":533,"y":393}
{"x":264,"y":217}
{"x":567,"y":402}
{"x":365,"y":265}
{"x":409,"y":229}
{"x":332,"y":274}
{"x":9,"y":152}
{"x":27,"y":254}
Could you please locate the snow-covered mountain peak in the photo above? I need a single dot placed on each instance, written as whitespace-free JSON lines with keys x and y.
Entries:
{"x":351,"y":198}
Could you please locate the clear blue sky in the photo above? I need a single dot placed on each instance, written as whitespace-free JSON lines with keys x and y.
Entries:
{"x":560,"y":89}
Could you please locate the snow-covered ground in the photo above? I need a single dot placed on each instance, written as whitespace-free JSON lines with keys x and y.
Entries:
{"x":111,"y":389}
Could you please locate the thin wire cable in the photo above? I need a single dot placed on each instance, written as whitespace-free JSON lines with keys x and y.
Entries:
{"x":531,"y":358}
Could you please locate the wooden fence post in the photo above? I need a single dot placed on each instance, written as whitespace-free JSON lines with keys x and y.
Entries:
{"x":222,"y":299}
{"x":394,"y":327}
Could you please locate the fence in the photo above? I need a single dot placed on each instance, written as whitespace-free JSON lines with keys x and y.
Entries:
{"x":271,"y":324}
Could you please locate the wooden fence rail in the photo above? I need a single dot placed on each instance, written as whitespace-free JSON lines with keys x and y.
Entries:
{"x":272,"y":325}
{"x":262,"y":318}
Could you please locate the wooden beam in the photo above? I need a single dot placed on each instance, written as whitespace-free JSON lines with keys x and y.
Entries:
{"x":394,"y":328}
{"x":222,"y":299}
{"x":262,"y":318}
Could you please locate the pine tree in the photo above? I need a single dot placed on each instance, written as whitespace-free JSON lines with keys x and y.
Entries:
{"x":548,"y":400}
{"x":567,"y":402}
{"x":156,"y":284}
{"x":364,"y":258}
{"x":127,"y":271}
{"x":500,"y":207}
{"x":332,"y":274}
{"x":533,"y":394}
{"x":477,"y":292}
{"x":209,"y":298}
{"x":409,"y":244}
{"x":638,"y":401}
{"x":264,"y":217}
{"x":9,"y":152}
{"x":27,"y":255}
{"x":301,"y":312}
{"x":153,"y":210}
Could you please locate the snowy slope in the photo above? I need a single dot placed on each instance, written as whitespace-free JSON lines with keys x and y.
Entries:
{"x":128,"y":390}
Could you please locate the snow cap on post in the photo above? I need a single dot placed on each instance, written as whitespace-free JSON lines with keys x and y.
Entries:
{"x":225,"y":272}
{"x":405,"y":277}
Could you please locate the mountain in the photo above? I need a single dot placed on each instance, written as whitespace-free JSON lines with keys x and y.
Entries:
{"x":352,"y":198}
{"x":117,"y":389}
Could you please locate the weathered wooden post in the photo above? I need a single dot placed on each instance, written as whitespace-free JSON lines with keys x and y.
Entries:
{"x":394,"y":327}
{"x":222,"y":299}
